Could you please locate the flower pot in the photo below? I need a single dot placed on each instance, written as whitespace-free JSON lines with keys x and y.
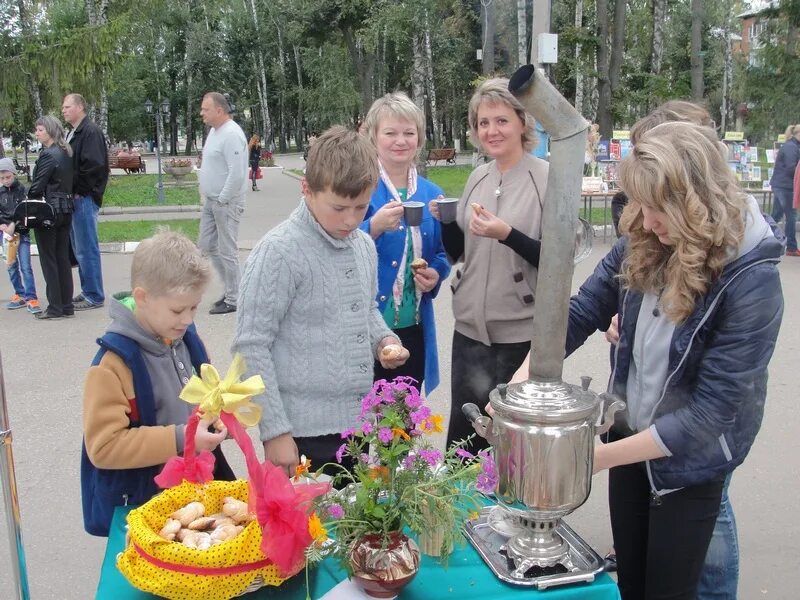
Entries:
{"x":178,"y":173}
{"x":384,"y":569}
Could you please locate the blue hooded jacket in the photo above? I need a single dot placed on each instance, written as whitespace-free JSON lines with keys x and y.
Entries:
{"x":391,"y":245}
{"x":712,"y":401}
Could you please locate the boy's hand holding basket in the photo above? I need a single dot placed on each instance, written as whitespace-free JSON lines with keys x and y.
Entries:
{"x":269,"y":549}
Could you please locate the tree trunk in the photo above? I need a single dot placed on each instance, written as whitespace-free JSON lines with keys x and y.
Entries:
{"x":487,"y":32}
{"x":282,"y":138}
{"x":727,"y":73}
{"x":696,"y":50}
{"x":578,"y":70}
{"x":298,"y":136}
{"x":522,"y":32}
{"x":364,"y":66}
{"x":25,"y":26}
{"x":418,"y":87}
{"x":603,"y":85}
{"x":431,"y":86}
{"x":263,"y":90}
{"x":618,"y":45}
{"x":659,"y":22}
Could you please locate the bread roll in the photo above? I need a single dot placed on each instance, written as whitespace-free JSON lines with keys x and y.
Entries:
{"x":419,"y":263}
{"x":391,"y":351}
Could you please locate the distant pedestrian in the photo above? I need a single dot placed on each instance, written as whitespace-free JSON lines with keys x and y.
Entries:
{"x":223,"y":183}
{"x":782,"y":183}
{"x":53,"y":181}
{"x":16,"y":241}
{"x":90,"y":168}
{"x":254,"y":149}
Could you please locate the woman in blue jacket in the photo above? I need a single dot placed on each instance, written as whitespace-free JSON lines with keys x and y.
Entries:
{"x":405,"y":294}
{"x":696,"y":286}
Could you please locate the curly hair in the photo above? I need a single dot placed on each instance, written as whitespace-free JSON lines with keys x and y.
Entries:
{"x":677,"y":169}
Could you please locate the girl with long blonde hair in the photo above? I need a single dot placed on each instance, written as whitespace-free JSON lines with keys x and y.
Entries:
{"x":695,"y":283}
{"x":254,"y":148}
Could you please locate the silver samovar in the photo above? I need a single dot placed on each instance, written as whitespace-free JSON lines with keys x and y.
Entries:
{"x":543,"y":429}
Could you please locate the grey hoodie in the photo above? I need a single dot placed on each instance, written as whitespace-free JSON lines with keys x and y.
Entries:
{"x":650,"y":356}
{"x":169,"y":367}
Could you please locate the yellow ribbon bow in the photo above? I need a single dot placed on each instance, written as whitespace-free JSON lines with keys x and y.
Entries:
{"x":230,"y":395}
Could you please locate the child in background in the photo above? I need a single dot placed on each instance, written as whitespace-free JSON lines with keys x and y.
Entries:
{"x":133,"y":419}
{"x":16,"y":241}
{"x":307,"y":320}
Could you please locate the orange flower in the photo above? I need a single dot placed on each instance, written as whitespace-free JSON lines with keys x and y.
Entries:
{"x":398,"y":432}
{"x":379,"y":472}
{"x":432,"y":424}
{"x":318,"y":533}
{"x":302,"y":468}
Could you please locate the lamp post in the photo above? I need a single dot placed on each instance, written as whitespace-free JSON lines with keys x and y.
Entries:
{"x":160,"y":110}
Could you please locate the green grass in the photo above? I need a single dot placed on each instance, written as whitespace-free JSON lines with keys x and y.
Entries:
{"x":140,"y":190}
{"x":134,"y":231}
{"x":451,"y":179}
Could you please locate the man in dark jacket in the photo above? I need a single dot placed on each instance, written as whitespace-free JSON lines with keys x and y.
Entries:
{"x":90,"y":164}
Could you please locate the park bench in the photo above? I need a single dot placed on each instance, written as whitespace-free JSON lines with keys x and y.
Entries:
{"x":446,"y":154}
{"x":22,"y":169}
{"x":129,"y":164}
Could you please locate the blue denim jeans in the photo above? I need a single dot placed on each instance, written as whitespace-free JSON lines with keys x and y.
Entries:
{"x":782,"y":205}
{"x":20,"y":272}
{"x":720,"y":577}
{"x":86,"y":247}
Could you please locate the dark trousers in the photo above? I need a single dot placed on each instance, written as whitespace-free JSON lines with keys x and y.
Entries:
{"x":661,"y":543}
{"x":414,"y":341}
{"x":476,"y":370}
{"x":54,"y":248}
{"x":321,"y":449}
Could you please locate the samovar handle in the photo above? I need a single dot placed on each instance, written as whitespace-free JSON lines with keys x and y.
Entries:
{"x":480,"y":422}
{"x":613,"y":407}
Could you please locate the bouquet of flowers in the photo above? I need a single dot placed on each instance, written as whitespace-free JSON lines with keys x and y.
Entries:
{"x":398,"y":482}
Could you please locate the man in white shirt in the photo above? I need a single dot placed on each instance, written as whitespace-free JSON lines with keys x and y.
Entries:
{"x":223,"y":182}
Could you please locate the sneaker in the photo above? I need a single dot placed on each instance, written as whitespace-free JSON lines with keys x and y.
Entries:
{"x":218,"y":303}
{"x":222,"y":309}
{"x":47,"y":315}
{"x":86,"y":305}
{"x":33,"y":307}
{"x":78,"y":298}
{"x":16,"y":302}
{"x":793,"y":253}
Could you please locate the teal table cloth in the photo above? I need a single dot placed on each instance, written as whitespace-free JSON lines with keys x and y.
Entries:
{"x":465,"y":578}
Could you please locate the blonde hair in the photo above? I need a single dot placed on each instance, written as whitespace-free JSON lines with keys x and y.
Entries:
{"x":169,"y":263}
{"x":676,"y":168}
{"x":254,"y":141}
{"x":399,"y":106}
{"x":343,"y":161}
{"x":790,"y":132}
{"x":671,"y":111}
{"x":493,"y":92}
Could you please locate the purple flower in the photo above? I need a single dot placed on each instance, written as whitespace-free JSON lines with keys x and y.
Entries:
{"x":419,"y":415}
{"x":364,"y":458}
{"x":340,"y":452}
{"x":408,"y":461}
{"x":413,"y":399}
{"x":461,"y":453}
{"x":486,"y":481}
{"x":385,"y":435}
{"x":348,"y":432}
{"x":432,"y":457}
{"x":336,"y":511}
{"x":366,"y":428}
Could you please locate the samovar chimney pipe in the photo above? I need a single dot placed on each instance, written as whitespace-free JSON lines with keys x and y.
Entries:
{"x":568,"y":133}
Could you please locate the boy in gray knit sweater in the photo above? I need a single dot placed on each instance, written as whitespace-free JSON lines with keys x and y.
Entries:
{"x":307,"y":320}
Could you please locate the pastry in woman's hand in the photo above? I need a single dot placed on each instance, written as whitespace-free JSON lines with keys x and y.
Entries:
{"x":419,"y":263}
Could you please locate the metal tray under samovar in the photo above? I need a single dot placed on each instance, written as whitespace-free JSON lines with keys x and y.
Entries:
{"x":485,"y":535}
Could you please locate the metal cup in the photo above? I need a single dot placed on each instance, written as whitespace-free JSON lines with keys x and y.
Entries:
{"x":412,"y":212}
{"x":448,"y":209}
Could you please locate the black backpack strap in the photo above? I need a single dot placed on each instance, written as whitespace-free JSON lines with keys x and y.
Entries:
{"x":197,"y":350}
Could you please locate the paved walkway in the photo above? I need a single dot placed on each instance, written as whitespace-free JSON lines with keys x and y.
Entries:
{"x":45,"y":363}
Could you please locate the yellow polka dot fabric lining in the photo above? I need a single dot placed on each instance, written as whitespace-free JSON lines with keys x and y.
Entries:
{"x":145,"y":522}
